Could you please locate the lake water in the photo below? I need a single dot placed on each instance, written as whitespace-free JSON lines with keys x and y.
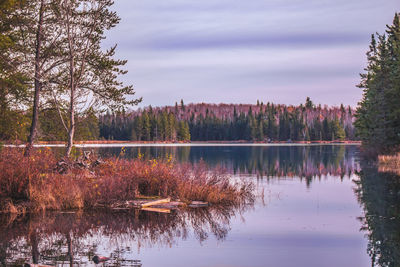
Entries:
{"x":317,"y":206}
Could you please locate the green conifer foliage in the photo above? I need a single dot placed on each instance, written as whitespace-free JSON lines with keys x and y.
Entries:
{"x":378,"y":113}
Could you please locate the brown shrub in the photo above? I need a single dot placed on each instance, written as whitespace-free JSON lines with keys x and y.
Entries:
{"x":34,"y":181}
{"x":17,"y":171}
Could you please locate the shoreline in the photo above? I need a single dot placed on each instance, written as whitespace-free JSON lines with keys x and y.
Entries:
{"x":119,"y":143}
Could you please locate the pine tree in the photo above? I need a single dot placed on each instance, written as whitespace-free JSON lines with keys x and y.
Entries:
{"x":309,"y":103}
{"x":378,"y":114}
{"x":146,"y":127}
{"x":182,"y":106}
{"x":338,"y":130}
{"x":139,"y":132}
{"x":88,"y":71}
{"x":13,"y":89}
{"x":183,"y":131}
{"x":42,"y":47}
{"x":171,"y":127}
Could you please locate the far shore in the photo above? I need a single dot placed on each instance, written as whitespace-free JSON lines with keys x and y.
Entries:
{"x":118,"y":143}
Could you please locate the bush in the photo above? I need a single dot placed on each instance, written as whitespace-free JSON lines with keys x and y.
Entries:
{"x":36,"y":182}
{"x":17,"y":172}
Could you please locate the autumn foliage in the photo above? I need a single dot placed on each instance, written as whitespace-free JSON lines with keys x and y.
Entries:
{"x":34,"y":183}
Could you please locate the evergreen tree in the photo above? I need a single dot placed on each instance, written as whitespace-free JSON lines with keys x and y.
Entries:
{"x":378,"y":113}
{"x":146,"y":127}
{"x":13,"y":89}
{"x":309,"y":103}
{"x":42,"y":46}
{"x":183,"y":131}
{"x":88,"y":71}
{"x":338,"y":130}
{"x":182,"y":106}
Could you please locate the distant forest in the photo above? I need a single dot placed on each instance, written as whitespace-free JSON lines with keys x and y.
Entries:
{"x":229,"y":122}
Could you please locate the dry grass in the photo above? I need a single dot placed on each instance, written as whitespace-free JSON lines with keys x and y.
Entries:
{"x":390,"y":163}
{"x":33,"y":184}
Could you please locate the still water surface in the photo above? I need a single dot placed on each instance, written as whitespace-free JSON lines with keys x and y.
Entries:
{"x":321,"y":207}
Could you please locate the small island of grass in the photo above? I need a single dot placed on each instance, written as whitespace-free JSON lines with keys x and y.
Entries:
{"x":42,"y":182}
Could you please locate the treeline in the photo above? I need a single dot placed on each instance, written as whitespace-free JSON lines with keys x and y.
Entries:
{"x":378,"y":114}
{"x":146,"y":126}
{"x":211,"y":122}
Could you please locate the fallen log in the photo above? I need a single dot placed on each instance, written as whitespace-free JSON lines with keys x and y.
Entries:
{"x":157,"y":210}
{"x":156,"y":202}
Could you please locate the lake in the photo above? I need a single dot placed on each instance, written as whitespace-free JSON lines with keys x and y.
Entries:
{"x":317,"y":205}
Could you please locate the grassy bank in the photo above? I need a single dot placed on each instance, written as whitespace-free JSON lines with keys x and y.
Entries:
{"x":41,"y":183}
{"x":390,"y":163}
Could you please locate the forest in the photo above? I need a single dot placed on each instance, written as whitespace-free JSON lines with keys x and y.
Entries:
{"x":230,"y":122}
{"x":197,"y":122}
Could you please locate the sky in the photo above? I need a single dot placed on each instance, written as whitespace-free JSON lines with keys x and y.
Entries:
{"x":235,"y":51}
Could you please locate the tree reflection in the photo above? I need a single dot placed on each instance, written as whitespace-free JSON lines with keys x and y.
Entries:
{"x":75,"y":238}
{"x":379,"y":195}
{"x":305,"y":162}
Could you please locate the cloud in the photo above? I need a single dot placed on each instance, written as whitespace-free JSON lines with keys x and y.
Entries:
{"x":241,"y":51}
{"x":244,"y":40}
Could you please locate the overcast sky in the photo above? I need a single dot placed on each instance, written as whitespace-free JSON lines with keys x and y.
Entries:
{"x":236,"y":51}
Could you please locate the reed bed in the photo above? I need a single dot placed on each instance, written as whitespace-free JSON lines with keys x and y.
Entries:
{"x":35,"y":183}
